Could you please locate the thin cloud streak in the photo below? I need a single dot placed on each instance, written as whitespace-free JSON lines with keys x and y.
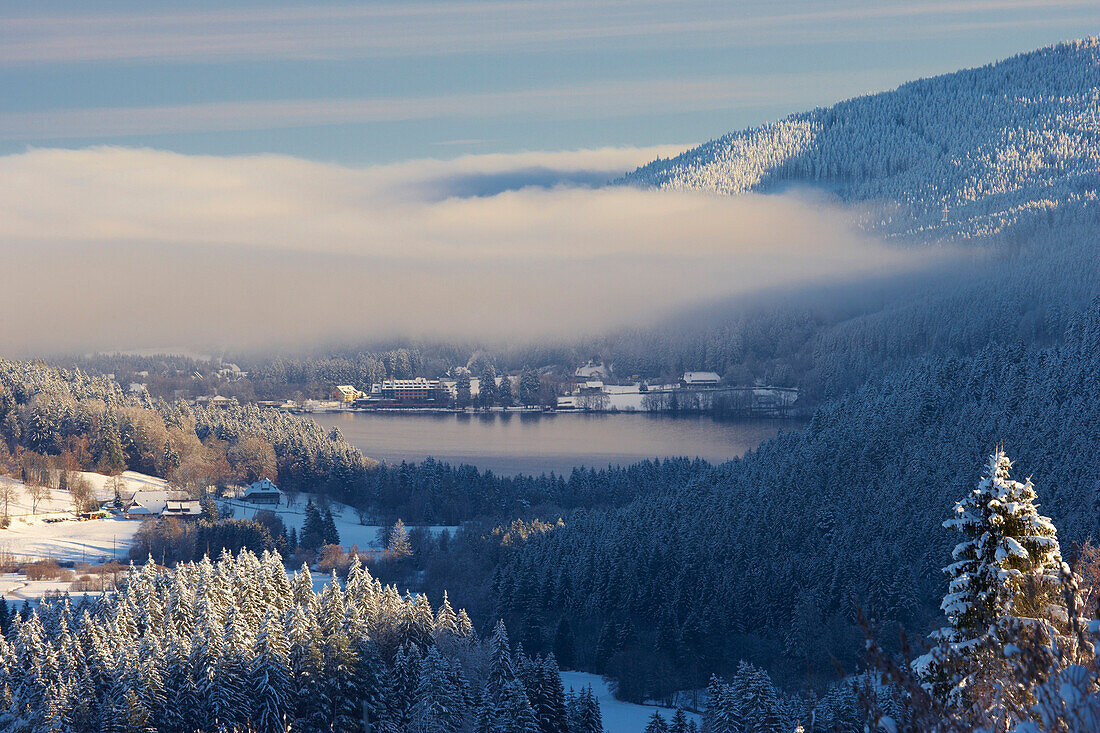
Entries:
{"x":588,"y":101}
{"x":113,"y":248}
{"x":421,"y":29}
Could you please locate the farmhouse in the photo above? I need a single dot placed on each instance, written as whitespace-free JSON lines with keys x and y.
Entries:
{"x":156,"y":503}
{"x":262,"y":492}
{"x":701,"y":379}
{"x":146,"y":503}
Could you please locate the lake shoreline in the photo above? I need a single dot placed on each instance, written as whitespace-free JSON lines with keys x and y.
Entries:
{"x":534,"y":442}
{"x":790,"y":417}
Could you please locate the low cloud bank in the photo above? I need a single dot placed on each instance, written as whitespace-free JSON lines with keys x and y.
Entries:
{"x":109,"y":248}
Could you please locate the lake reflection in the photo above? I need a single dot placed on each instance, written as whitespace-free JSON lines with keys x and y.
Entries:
{"x":534,"y":443}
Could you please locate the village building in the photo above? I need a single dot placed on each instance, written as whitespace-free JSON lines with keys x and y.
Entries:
{"x":450,"y":386}
{"x":214,"y":401}
{"x":411,"y":390}
{"x":231,"y":372}
{"x":701,"y":379}
{"x":263,"y":491}
{"x":184,"y":508}
{"x":348,"y":393}
{"x":156,"y":503}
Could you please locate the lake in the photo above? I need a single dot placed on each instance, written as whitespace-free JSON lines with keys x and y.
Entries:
{"x":535,"y":443}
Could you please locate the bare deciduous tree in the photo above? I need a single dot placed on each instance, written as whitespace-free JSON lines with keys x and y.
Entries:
{"x":84,"y":499}
{"x":37,"y":493}
{"x":7,"y":494}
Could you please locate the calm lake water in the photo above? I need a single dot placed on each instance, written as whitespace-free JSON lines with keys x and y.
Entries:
{"x":539,"y":443}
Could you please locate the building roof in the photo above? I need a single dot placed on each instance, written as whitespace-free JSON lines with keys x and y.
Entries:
{"x":187,"y":507}
{"x":263,"y":486}
{"x":147,"y":502}
{"x":697,"y":377}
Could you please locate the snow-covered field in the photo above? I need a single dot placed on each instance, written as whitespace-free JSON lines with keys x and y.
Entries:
{"x":618,"y":716}
{"x":96,"y":540}
{"x":345,"y":518}
{"x":131,"y":480}
{"x":53,"y":533}
{"x":15,"y":587}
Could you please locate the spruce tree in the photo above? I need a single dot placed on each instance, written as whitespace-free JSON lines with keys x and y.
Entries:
{"x":313,"y":528}
{"x":588,"y":718}
{"x":564,"y":643}
{"x":270,"y":678}
{"x":112,"y":459}
{"x":504,"y":395}
{"x":462,"y":389}
{"x":758,"y":704}
{"x":399,"y":546}
{"x":500,"y":662}
{"x":439,"y":706}
{"x":722,"y":712}
{"x":1006,"y":571}
{"x":329,"y":533}
{"x":487,"y":387}
{"x":528,"y":386}
{"x":656,"y":724}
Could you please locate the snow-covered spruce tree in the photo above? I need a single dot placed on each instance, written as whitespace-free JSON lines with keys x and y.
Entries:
{"x":656,"y":724}
{"x":1004,"y":582}
{"x":584,"y":712}
{"x":722,"y":713}
{"x":759,"y":707}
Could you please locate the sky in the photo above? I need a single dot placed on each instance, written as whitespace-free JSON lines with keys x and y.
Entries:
{"x":220,"y":175}
{"x":388,"y":80}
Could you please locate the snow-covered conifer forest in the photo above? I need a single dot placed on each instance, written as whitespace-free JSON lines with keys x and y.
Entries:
{"x":238,"y":644}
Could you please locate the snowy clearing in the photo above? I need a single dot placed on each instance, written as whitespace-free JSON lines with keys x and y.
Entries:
{"x":69,"y":540}
{"x":54,"y":533}
{"x":618,"y":716}
{"x":347,"y":521}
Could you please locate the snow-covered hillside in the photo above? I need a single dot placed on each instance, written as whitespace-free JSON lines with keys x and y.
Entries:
{"x":50,"y":530}
{"x":956,"y":156}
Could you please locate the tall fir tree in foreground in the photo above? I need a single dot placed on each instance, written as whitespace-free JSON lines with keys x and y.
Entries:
{"x":1005,"y":583}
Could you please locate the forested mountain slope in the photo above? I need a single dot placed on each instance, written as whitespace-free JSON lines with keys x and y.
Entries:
{"x":963,"y":155}
{"x":765,"y":558}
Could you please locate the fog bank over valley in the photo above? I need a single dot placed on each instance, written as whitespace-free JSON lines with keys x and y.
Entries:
{"x":115,"y":248}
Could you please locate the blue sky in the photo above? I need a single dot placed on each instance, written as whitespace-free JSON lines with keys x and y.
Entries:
{"x":383,"y":81}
